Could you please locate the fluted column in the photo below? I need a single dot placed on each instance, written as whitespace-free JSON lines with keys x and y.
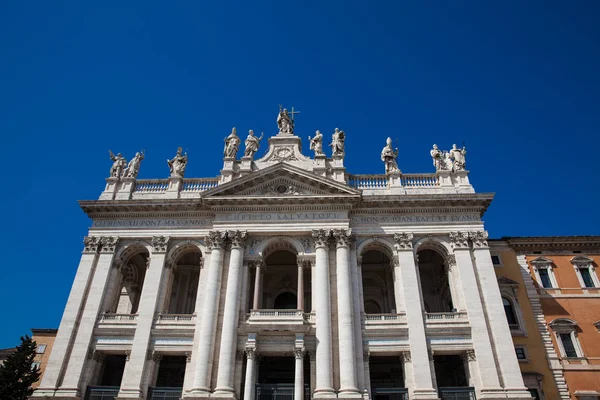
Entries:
{"x":356,"y":309}
{"x":215,"y":241}
{"x":300,"y":294}
{"x":68,"y":326}
{"x":490,"y":384}
{"x":348,"y":387}
{"x":133,"y":375}
{"x":421,"y":370}
{"x":257,"y":301}
{"x":322,"y":301}
{"x":299,"y":374}
{"x":227,"y":350}
{"x":251,"y":360}
{"x":500,"y":332}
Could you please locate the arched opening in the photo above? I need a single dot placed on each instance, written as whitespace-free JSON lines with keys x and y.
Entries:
{"x":378,"y":283}
{"x":281,"y":284}
{"x":181,"y":298}
{"x":130,"y":282}
{"x":435,"y":286}
{"x":285,"y":301}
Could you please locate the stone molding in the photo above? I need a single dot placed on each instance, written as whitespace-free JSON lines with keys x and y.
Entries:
{"x":216,"y":240}
{"x":160,"y":244}
{"x":251,"y":353}
{"x":91,"y":244}
{"x":108,"y":244}
{"x":403,"y":241}
{"x":153,"y":355}
{"x":321,"y":237}
{"x":299,"y":354}
{"x":469,"y":355}
{"x":479,"y":239}
{"x":459,"y":240}
{"x":343,"y":237}
{"x":405,"y":356}
{"x":237,"y":238}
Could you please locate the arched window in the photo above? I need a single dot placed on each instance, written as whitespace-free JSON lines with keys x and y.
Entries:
{"x":435,"y":285}
{"x":184,"y":283}
{"x":378,"y":283}
{"x":510,"y":314}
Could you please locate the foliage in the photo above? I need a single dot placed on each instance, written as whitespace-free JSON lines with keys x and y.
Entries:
{"x":17,"y":373}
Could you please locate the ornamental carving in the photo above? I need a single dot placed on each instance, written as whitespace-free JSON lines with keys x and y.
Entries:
{"x":299,"y":354}
{"x":306,"y":244}
{"x":91,"y":244}
{"x":153,"y":355}
{"x":284,"y":153}
{"x":188,"y":356}
{"x":403,"y":241}
{"x":479,"y":239}
{"x":251,"y":353}
{"x":238,"y":238}
{"x":450,"y":261}
{"x":343,"y":237}
{"x":459,"y":240}
{"x":321,"y":237}
{"x":160,"y":243}
{"x":216,"y":239}
{"x":405,"y":356}
{"x":469,"y":355}
{"x":108,"y":243}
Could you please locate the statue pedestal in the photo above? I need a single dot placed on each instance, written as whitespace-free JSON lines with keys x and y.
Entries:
{"x":461,"y":180}
{"x":110,"y":191}
{"x":394,"y":179}
{"x":338,"y":171}
{"x":175,"y":186}
{"x":320,"y":167}
{"x":445,"y":178}
{"x":245,"y":165}
{"x":228,"y":169}
{"x":126,"y":188}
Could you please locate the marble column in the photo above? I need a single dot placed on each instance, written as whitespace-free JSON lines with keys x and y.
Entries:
{"x":489,"y":386}
{"x":300,"y":294}
{"x":215,"y":241}
{"x":421,"y":370}
{"x":225,"y":373}
{"x":68,"y":326}
{"x":322,"y":300}
{"x":136,"y":367}
{"x":500,"y":332}
{"x":77,"y":357}
{"x":250,"y":380}
{"x":357,"y":299}
{"x":299,"y":374}
{"x":398,"y":290}
{"x":348,"y":386}
{"x":257,"y":301}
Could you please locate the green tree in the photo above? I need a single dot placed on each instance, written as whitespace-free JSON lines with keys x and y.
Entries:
{"x":17,"y":374}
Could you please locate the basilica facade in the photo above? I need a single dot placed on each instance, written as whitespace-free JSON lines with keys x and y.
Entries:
{"x":286,"y":276}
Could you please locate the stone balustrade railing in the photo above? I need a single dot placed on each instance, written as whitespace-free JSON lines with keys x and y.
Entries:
{"x":368,"y":181}
{"x":176,"y":317}
{"x":420,"y":180}
{"x":199,"y":184}
{"x":110,"y":317}
{"x":445,"y":316}
{"x":385,"y":317}
{"x":151,"y":186}
{"x":276,"y":313}
{"x":384,"y":182}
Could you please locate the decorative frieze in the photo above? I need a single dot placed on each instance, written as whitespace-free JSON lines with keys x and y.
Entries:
{"x":343,"y":237}
{"x":108,"y":243}
{"x":160,"y":243}
{"x":91,"y":244}
{"x":403,"y":241}
{"x":459,"y":240}
{"x":321,"y":237}
{"x":479,"y":239}
{"x":216,"y":239}
{"x":237,"y":238}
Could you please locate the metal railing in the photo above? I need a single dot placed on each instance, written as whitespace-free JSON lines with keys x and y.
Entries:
{"x":279,"y":391}
{"x":457,"y":393}
{"x":101,"y":392}
{"x":390,"y":393}
{"x":164,"y":393}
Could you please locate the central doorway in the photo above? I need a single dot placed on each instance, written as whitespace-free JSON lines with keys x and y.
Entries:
{"x":276,"y":377}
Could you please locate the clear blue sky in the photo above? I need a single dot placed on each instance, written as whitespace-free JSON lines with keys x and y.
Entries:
{"x":518,"y":82}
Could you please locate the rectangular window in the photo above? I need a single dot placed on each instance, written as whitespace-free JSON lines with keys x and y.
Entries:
{"x":35,"y":365}
{"x":41,"y":349}
{"x":545,"y":277}
{"x":586,"y":277}
{"x":567,"y":343}
{"x":496,"y":260}
{"x":521,"y":353}
{"x":534,"y":393}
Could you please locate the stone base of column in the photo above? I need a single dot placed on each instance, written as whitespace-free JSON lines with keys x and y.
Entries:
{"x":129,"y":394}
{"x":197,"y":394}
{"x":498,"y":394}
{"x":67,"y":393}
{"x":324,"y":394}
{"x":350,"y":394}
{"x":425,"y":394}
{"x":222,"y":393}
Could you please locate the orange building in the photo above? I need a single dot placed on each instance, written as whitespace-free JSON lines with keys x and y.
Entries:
{"x":565,"y":284}
{"x":44,"y":339}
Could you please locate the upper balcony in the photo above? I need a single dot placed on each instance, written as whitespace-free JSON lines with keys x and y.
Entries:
{"x":446,"y":323}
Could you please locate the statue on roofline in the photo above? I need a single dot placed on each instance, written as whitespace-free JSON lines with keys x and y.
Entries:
{"x":232,"y":145}
{"x":177,"y":164}
{"x":337,"y":142}
{"x":316,"y":143}
{"x":285,"y":122}
{"x":388,"y":156}
{"x":252,"y":144}
{"x":119,"y":164}
{"x":133,"y":168}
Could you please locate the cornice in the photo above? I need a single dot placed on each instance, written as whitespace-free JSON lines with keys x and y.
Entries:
{"x":553,"y":243}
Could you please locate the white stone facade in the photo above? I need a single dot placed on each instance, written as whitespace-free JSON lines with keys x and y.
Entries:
{"x":286,"y":258}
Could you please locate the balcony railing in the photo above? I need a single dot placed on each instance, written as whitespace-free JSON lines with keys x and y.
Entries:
{"x":446,"y":316}
{"x":384,"y":321}
{"x":151,"y":186}
{"x":385,"y":317}
{"x":199,"y":184}
{"x":389,"y":393}
{"x":368,"y":181}
{"x":164,"y":393}
{"x":275,"y":316}
{"x":456,"y":393}
{"x":176,"y":317}
{"x":117,"y":319}
{"x":278,"y":391}
{"x":420,"y":180}
{"x":101,"y":392}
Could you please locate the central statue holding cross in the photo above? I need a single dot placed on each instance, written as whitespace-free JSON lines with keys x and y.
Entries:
{"x":285,"y":121}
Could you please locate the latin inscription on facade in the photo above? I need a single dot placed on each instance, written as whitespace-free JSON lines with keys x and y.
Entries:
{"x":152,"y":223}
{"x":282,"y":217}
{"x":412,"y":219}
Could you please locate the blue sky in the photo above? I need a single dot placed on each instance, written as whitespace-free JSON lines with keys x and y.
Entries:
{"x":517,"y":82}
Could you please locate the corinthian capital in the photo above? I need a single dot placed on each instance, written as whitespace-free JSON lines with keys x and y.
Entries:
{"x":216,"y":239}
{"x":321,"y":237}
{"x":479,"y":239}
{"x":343,"y":237}
{"x":108,"y":243}
{"x":459,"y":240}
{"x":91,"y":244}
{"x":403,"y":241}
{"x":238,"y":238}
{"x":160,"y":243}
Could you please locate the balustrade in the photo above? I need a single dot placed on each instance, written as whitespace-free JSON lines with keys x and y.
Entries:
{"x":109,"y":317}
{"x":445,"y":316}
{"x":176,"y":317}
{"x":151,"y":186}
{"x":420,"y":180}
{"x":368,"y":181}
{"x":199,"y":184}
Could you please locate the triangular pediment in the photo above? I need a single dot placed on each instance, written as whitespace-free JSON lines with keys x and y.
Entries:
{"x":502,"y":280}
{"x":281,"y":181}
